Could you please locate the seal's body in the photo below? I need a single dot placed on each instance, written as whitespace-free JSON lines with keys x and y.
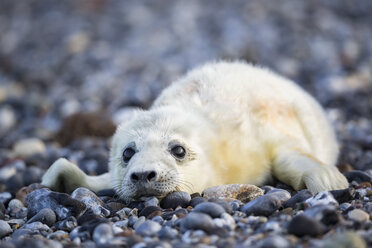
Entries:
{"x":221,"y":123}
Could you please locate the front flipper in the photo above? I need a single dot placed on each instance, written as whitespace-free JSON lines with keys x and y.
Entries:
{"x":301,"y":170}
{"x":64,"y":176}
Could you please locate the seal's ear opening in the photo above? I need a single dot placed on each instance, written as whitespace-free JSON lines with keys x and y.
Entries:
{"x":126,"y":114}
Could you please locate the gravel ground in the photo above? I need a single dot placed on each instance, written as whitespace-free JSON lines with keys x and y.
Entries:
{"x":95,"y":59}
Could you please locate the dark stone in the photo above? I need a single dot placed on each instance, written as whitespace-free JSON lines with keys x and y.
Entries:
{"x":193,"y":195}
{"x":197,"y":200}
{"x":147,"y":211}
{"x":32,"y":175}
{"x":107,"y":192}
{"x":302,"y":225}
{"x":45,"y":216}
{"x":167,"y":232}
{"x":222,"y":203}
{"x":212,"y":209}
{"x":327,"y":214}
{"x":14,"y":183}
{"x":67,"y":224}
{"x":175,"y":199}
{"x":358,"y":176}
{"x":137,"y":204}
{"x":62,"y":204}
{"x":267,"y":204}
{"x":148,"y":228}
{"x":91,"y":201}
{"x":301,"y":196}
{"x":197,"y":221}
{"x":343,"y":195}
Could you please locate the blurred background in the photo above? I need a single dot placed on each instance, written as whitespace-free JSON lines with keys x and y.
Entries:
{"x":59,"y":58}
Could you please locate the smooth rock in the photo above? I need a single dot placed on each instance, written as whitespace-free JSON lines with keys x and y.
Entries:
{"x":14,"y":183}
{"x":358,"y":215}
{"x":323,"y":198}
{"x":343,"y":195}
{"x":242,"y":192}
{"x":4,"y":229}
{"x":358,"y":176}
{"x":45,"y":216}
{"x":197,"y":221}
{"x":274,"y":242}
{"x":302,"y":225}
{"x":62,"y":204}
{"x":37,"y":243}
{"x":91,"y":201}
{"x":175,"y":199}
{"x":197,"y":200}
{"x":32,"y":175}
{"x":301,"y":196}
{"x":103,"y":233}
{"x":267,"y":204}
{"x":67,"y":224}
{"x":167,"y":232}
{"x":149,"y":210}
{"x":58,"y":235}
{"x":148,"y":228}
{"x":346,"y":239}
{"x":5,"y":197}
{"x":28,"y":147}
{"x":139,"y":221}
{"x":212,"y":209}
{"x":327,"y":214}
{"x":14,"y":206}
{"x":152,"y":201}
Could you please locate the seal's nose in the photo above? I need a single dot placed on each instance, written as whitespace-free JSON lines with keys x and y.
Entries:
{"x":144,"y":176}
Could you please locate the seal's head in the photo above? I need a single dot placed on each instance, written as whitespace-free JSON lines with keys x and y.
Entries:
{"x":157,"y":152}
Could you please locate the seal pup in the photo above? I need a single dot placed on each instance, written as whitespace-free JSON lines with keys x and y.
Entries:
{"x":222,"y":123}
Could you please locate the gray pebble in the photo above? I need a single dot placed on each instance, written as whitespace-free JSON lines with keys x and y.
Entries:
{"x":58,"y":235}
{"x":36,"y":226}
{"x":139,"y":221}
{"x":301,"y":225}
{"x":152,"y":201}
{"x":197,"y":221}
{"x":91,"y":200}
{"x":62,"y":204}
{"x":5,"y":197}
{"x":45,"y":216}
{"x":212,"y":209}
{"x":275,"y":242}
{"x":32,"y":175}
{"x":167,"y":232}
{"x":301,"y":196}
{"x":103,"y":233}
{"x":324,"y":198}
{"x":267,"y":204}
{"x":197,"y":200}
{"x":148,"y":228}
{"x":4,"y":228}
{"x":176,"y":199}
{"x":67,"y":224}
{"x":327,"y":214}
{"x":358,"y":176}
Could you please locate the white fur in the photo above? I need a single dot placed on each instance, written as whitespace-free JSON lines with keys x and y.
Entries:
{"x":240,"y":124}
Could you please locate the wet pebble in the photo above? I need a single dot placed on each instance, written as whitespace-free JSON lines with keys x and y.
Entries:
{"x":302,"y":225}
{"x":148,"y":228}
{"x":167,"y":232}
{"x":327,"y":214}
{"x":358,"y":215}
{"x":343,"y":195}
{"x":45,"y":216}
{"x":28,"y":147}
{"x":175,"y":199}
{"x":4,"y":228}
{"x":91,"y":201}
{"x":197,"y":200}
{"x":299,"y":197}
{"x":267,"y":204}
{"x":62,"y":204}
{"x":212,"y":209}
{"x":103,"y":233}
{"x":274,"y":242}
{"x":358,"y":176}
{"x":150,"y":211}
{"x":242,"y":192}
{"x":197,"y":221}
{"x":324,"y":198}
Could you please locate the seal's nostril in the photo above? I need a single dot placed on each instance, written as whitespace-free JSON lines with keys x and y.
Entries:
{"x":134,"y":177}
{"x":151,"y":175}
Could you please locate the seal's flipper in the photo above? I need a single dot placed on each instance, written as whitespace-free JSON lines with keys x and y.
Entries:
{"x":64,"y":176}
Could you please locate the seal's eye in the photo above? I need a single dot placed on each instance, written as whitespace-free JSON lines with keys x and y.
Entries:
{"x":128,"y":154}
{"x":178,"y":151}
